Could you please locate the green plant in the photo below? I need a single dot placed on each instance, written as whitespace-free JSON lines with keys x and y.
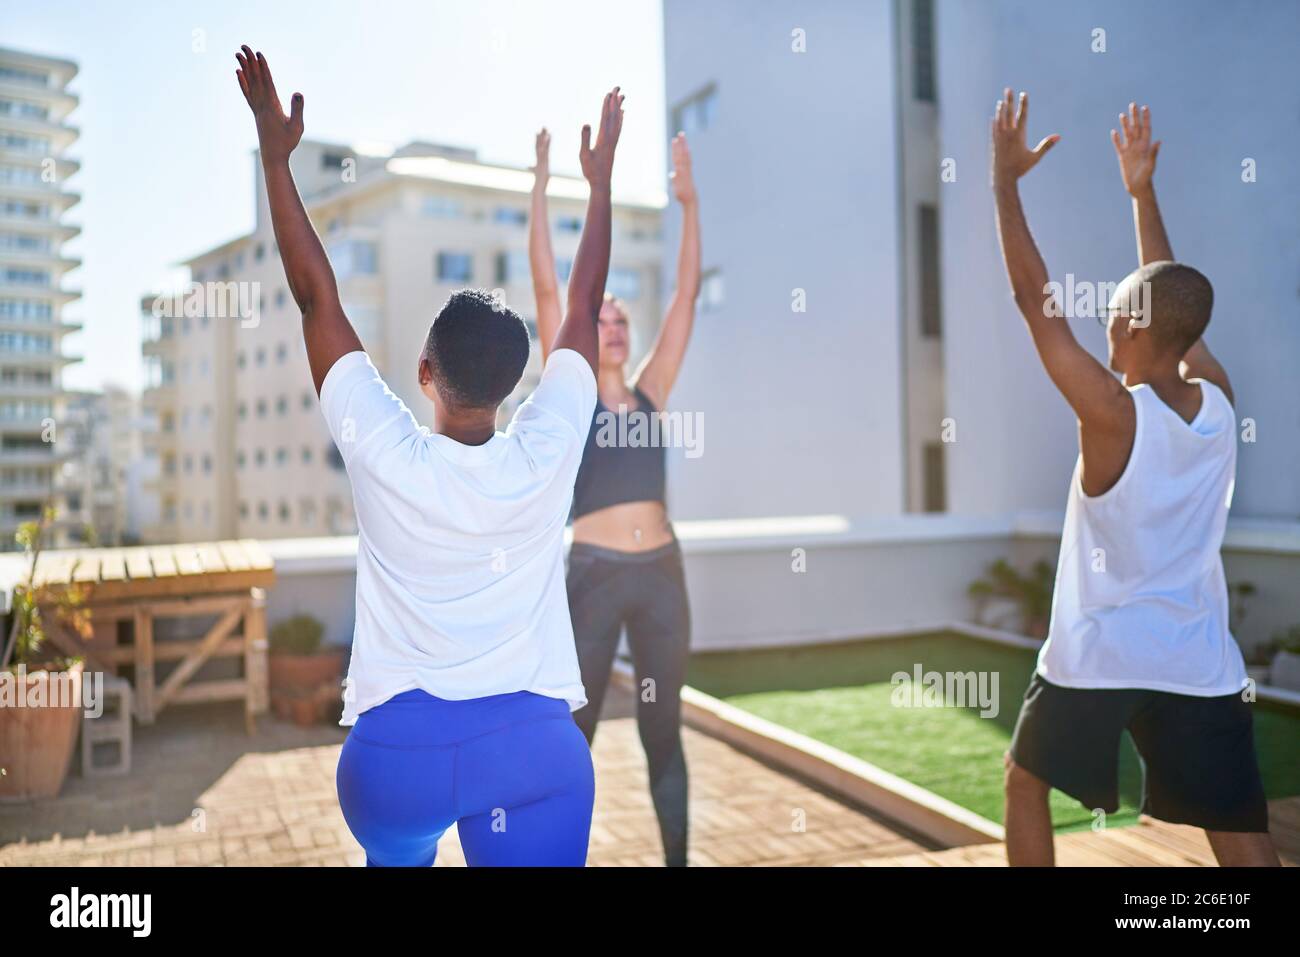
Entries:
{"x":1238,"y":593}
{"x":1262,"y":653}
{"x":1288,"y":640}
{"x":1031,"y":592}
{"x":299,"y":635}
{"x":27,"y":630}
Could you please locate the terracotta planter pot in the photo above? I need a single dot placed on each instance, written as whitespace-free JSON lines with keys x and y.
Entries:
{"x":305,"y":672}
{"x":36,"y":744}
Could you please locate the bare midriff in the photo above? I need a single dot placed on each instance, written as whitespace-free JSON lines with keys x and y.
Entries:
{"x":626,"y":527}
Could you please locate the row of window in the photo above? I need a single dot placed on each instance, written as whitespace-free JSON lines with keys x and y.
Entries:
{"x":17,"y":74}
{"x":22,"y":175}
{"x":22,"y":209}
{"x":20,"y":143}
{"x":24,"y":109}
{"x":307,"y":402}
{"x":26,"y":310}
{"x":25,"y":277}
{"x":306,"y":456}
{"x":28,"y":342}
{"x":25,"y":242}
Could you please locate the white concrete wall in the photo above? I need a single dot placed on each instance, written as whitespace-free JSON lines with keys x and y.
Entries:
{"x":1223,"y":83}
{"x":797,"y":185}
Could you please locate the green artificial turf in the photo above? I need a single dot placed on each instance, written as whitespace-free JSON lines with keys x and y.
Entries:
{"x":841,"y":695}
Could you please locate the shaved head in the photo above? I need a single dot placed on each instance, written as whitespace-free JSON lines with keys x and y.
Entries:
{"x":1173,"y":301}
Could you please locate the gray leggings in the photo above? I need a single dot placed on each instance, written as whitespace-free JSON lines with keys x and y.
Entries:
{"x":646,"y":591}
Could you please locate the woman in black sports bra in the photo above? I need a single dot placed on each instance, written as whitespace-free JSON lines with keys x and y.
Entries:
{"x":625,"y":567}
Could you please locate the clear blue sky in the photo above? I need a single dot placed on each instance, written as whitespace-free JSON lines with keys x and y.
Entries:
{"x":166,"y":137}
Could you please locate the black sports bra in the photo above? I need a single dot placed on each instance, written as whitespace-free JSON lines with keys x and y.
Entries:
{"x":623,"y":460}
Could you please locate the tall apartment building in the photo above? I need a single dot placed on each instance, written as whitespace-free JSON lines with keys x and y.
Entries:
{"x":34,"y":166}
{"x":96,"y":482}
{"x":858,"y":352}
{"x":240,"y":446}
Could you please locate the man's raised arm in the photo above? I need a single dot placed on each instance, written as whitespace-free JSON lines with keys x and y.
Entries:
{"x":1094,"y":394}
{"x":1137,"y":166}
{"x":591,"y":264}
{"x":307,"y":269}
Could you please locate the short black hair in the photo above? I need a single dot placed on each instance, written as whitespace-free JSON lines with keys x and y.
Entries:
{"x":477,"y":349}
{"x":1181,"y":301}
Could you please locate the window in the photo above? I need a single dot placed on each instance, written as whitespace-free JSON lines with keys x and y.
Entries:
{"x":354,"y":257}
{"x":512,"y":266}
{"x":279,"y":299}
{"x":934,"y":495}
{"x":281,"y":456}
{"x":282,"y":405}
{"x":569,"y":224}
{"x":306,"y":401}
{"x":261,"y":408}
{"x":923,"y":50}
{"x":259,"y":458}
{"x":306,"y":455}
{"x":281,"y":353}
{"x":697,"y":112}
{"x":624,"y":283}
{"x":442,"y":207}
{"x":928,"y":242}
{"x":712,"y":291}
{"x":509,"y":216}
{"x":333,"y":160}
{"x":455,"y":267}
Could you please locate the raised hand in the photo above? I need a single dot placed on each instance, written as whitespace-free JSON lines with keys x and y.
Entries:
{"x":683,"y":181}
{"x":598,"y":161}
{"x":1137,"y":154}
{"x":542,"y":171}
{"x":1012,"y":157}
{"x":277,"y":133}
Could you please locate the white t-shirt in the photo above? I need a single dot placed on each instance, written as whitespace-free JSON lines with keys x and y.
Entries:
{"x":460,"y":563}
{"x":1141,"y":600}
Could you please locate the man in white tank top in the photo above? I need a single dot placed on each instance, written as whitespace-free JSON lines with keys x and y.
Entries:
{"x":1139,"y":637}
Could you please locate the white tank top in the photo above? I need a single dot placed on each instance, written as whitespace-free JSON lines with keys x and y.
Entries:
{"x":1141,"y":600}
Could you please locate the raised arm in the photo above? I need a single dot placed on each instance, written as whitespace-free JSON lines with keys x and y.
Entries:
{"x":591,"y":264}
{"x":1097,"y":397}
{"x":541,"y":259}
{"x":1137,"y":166}
{"x":659,"y":369}
{"x":307,"y":269}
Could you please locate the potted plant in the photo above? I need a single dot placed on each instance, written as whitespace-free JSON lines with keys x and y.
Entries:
{"x":305,"y":677}
{"x":1259,"y":659}
{"x":39,"y":720}
{"x":1031,"y":594}
{"x":1285,"y":671}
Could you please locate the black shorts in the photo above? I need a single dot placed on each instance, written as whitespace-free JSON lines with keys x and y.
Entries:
{"x":1198,"y":754}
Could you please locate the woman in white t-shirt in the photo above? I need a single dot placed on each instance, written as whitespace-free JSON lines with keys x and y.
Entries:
{"x":463,"y":672}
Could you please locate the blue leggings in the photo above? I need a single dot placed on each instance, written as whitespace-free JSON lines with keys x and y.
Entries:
{"x":512,"y":771}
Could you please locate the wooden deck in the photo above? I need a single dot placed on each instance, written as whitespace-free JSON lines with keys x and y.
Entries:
{"x":1149,"y":843}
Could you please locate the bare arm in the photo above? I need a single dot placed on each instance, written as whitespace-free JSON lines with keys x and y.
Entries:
{"x":307,"y":269}
{"x":1137,"y":166}
{"x":541,"y":259}
{"x":1098,"y":399}
{"x":659,"y":370}
{"x":591,"y":264}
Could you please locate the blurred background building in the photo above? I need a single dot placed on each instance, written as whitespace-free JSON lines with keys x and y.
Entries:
{"x":239,"y":444}
{"x":34,"y":139}
{"x":842,"y":157}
